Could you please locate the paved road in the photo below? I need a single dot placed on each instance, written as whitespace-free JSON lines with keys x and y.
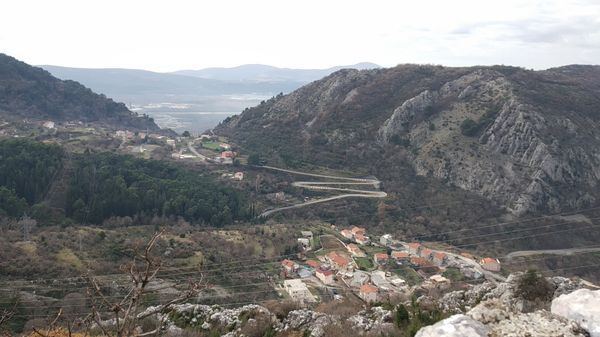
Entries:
{"x":196,"y":153}
{"x":567,"y":251}
{"x":322,"y":186}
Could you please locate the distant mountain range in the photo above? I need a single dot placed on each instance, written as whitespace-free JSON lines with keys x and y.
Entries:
{"x":265,"y":73}
{"x":142,"y":86}
{"x":194,"y":100}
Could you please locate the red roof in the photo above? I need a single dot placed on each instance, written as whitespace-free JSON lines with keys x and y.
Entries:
{"x":324,"y":272}
{"x":357,"y":230}
{"x":227,"y":154}
{"x":419,"y":261}
{"x":288,"y":263}
{"x":489,"y":260}
{"x":367,"y":288}
{"x":338,"y":259}
{"x":414,"y":245}
{"x":360,"y":237}
{"x":399,"y":255}
{"x":439,"y":255}
{"x":313,"y":263}
{"x":425,"y":252}
{"x":381,"y":256}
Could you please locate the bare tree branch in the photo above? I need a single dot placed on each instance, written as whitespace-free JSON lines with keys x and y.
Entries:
{"x":126,"y":311}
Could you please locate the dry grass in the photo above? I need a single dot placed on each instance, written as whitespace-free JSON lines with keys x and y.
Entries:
{"x":66,"y":256}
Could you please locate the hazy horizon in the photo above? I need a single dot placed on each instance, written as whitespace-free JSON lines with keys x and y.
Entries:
{"x":166,"y":37}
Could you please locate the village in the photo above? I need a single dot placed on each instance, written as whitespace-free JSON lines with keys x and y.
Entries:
{"x":350,"y":263}
{"x":202,"y":148}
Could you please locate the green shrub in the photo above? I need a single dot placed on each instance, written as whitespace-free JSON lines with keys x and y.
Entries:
{"x":532,"y":286}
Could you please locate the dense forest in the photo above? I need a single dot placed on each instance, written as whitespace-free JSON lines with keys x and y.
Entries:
{"x":106,"y":185}
{"x":26,"y":172}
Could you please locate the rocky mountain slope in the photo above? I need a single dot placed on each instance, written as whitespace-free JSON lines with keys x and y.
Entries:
{"x":30,"y":92}
{"x":486,"y":309}
{"x":526,"y":140}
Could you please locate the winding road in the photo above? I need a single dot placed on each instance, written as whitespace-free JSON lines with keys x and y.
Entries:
{"x":326,"y":185}
{"x":567,"y":251}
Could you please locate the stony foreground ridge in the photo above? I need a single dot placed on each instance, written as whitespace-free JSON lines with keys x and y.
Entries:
{"x":487,"y":309}
{"x":532,"y":143}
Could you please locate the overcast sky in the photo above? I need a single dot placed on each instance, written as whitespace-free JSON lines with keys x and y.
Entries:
{"x":176,"y":34}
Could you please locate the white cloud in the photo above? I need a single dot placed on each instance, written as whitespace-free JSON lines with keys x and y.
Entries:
{"x":177,"y":34}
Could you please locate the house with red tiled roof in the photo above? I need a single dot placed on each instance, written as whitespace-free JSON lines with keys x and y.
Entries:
{"x":358,"y":230}
{"x":400,"y":256}
{"x":227,"y":154}
{"x":490,"y":264}
{"x":337,"y":261}
{"x":414,"y":248}
{"x":347,"y":233}
{"x":416,"y":261}
{"x":440,"y":258}
{"x":368,"y":293}
{"x":313,"y":264}
{"x":326,"y":276}
{"x":380,"y":258}
{"x":426,"y":253}
{"x":355,"y":250}
{"x":289,"y":266}
{"x":361,"y":239}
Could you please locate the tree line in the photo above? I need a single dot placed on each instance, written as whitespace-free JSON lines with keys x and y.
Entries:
{"x":105,"y":185}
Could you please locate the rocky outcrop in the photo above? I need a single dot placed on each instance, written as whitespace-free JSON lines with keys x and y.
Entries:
{"x":503,"y":321}
{"x":581,"y":306}
{"x":512,"y":158}
{"x":533,"y":144}
{"x":376,"y":320}
{"x":455,"y":326}
{"x":307,"y":320}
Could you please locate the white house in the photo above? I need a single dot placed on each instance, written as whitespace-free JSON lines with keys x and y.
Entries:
{"x":298,"y":291}
{"x":368,"y":293}
{"x":385,"y":239}
{"x":326,"y":276}
{"x":48,"y":124}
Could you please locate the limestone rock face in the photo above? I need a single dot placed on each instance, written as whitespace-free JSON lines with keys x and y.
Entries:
{"x":313,"y":321}
{"x":534,"y":144}
{"x":455,"y":326}
{"x":581,"y":306}
{"x":502,"y":321}
{"x":376,"y":319}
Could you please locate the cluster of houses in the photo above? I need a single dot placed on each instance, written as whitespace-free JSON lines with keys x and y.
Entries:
{"x":357,"y":234}
{"x":339,"y":267}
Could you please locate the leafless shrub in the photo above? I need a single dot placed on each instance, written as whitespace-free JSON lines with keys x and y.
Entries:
{"x":126,"y":314}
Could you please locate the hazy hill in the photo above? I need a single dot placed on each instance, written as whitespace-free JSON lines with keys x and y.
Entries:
{"x":266,"y":73}
{"x":526,"y":140}
{"x":147,"y":86}
{"x":32,"y":92}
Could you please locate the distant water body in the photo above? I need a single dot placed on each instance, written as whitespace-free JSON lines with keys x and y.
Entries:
{"x":193,"y":121}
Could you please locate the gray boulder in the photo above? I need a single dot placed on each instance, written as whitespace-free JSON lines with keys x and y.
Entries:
{"x":581,"y":306}
{"x":455,"y":326}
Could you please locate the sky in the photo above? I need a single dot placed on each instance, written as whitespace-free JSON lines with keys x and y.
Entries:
{"x":193,"y":34}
